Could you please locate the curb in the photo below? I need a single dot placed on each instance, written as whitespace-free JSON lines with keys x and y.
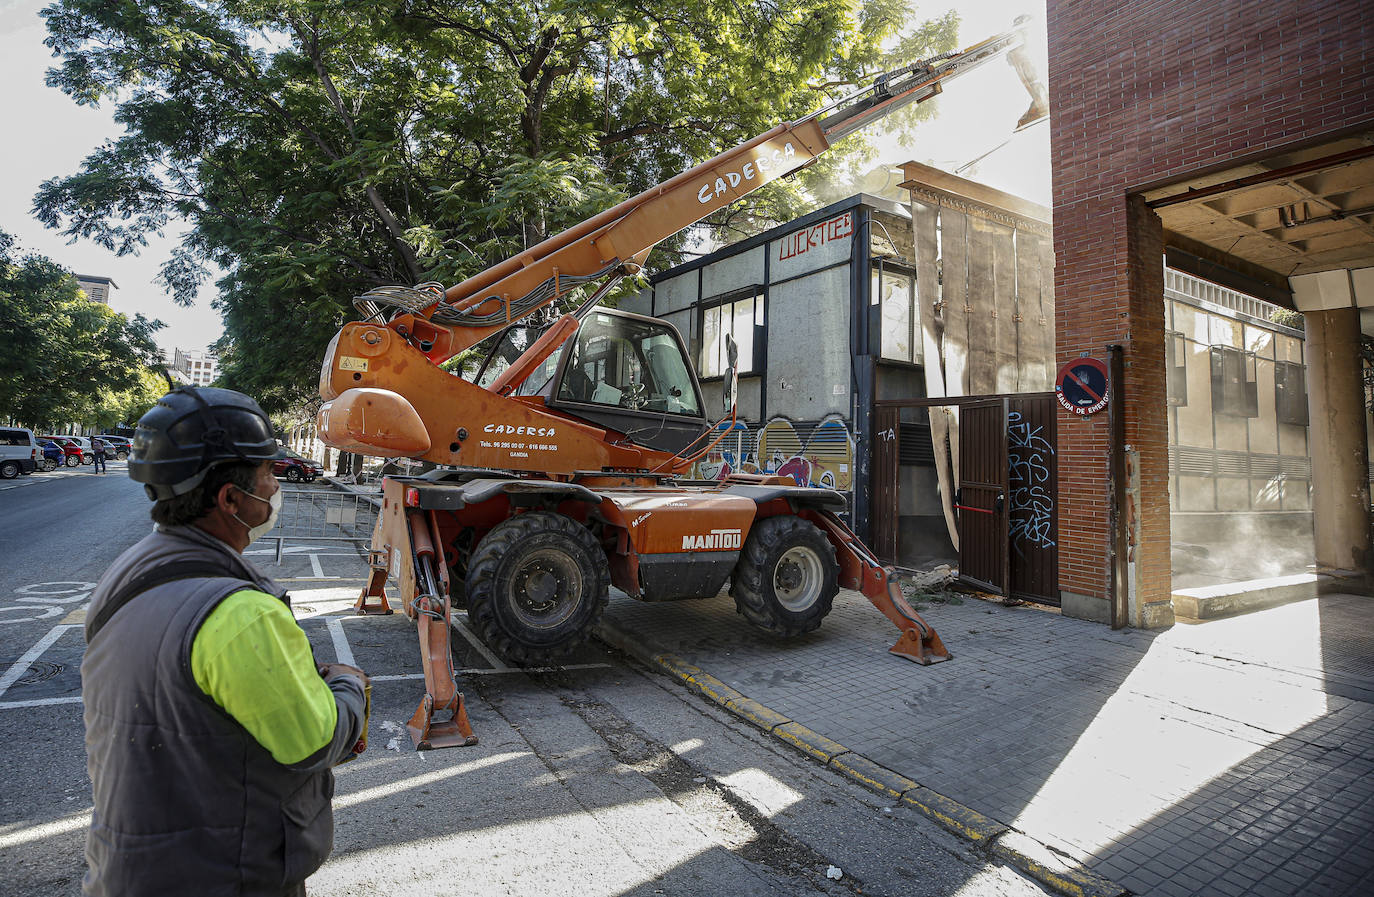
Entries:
{"x":1001,"y":841}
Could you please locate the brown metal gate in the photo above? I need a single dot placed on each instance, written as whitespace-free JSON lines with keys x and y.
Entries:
{"x":886,"y":458}
{"x":1033,"y":481}
{"x":1006,"y":448}
{"x":981,"y":498}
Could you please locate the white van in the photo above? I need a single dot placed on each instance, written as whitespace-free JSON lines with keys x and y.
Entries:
{"x":19,"y":452}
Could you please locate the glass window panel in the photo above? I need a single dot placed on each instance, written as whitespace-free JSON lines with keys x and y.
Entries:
{"x":896,"y":315}
{"x":1224,"y":331}
{"x":710,"y":343}
{"x":1195,"y":494}
{"x":1233,"y":494}
{"x":743,"y":333}
{"x":1297,"y":494}
{"x":1287,"y":348}
{"x":1266,"y":495}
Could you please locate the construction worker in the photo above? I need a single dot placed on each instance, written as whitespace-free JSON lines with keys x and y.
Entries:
{"x":210,"y":730}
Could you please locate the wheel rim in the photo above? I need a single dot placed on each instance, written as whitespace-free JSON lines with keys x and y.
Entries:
{"x":546,"y":589}
{"x":797,"y":578}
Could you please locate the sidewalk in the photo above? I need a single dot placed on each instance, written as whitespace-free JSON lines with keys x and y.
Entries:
{"x":1233,"y":757}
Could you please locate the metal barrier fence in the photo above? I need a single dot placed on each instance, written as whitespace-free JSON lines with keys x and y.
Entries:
{"x":323,"y":515}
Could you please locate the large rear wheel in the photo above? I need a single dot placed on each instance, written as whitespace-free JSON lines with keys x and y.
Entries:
{"x":535,"y":586}
{"x":787,"y":576}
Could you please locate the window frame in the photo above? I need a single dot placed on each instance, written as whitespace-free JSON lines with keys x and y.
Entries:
{"x":881,"y":267}
{"x":757,"y":362}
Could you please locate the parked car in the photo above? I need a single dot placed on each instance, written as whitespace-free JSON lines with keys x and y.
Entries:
{"x":87,"y":453}
{"x":54,"y":456}
{"x":296,"y":468}
{"x":19,"y":452}
{"x":74,"y":454}
{"x":118,"y":446}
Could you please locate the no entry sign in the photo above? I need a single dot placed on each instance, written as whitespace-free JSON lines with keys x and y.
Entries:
{"x":1082,"y":386}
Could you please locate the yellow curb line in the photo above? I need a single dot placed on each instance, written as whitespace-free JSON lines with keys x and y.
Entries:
{"x":953,"y":815}
{"x":1012,"y":847}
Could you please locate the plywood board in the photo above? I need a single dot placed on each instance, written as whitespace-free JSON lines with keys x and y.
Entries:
{"x":980,"y":307}
{"x":954,"y":264}
{"x":924,"y":219}
{"x":1004,"y":309}
{"x":1034,"y":331}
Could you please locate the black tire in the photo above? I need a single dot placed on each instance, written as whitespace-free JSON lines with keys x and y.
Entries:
{"x":9,"y":470}
{"x":293,"y":474}
{"x":787,"y":576}
{"x":49,"y":464}
{"x":120,"y":456}
{"x":536,"y":585}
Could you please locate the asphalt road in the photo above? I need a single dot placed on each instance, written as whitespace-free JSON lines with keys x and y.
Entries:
{"x":596,"y":778}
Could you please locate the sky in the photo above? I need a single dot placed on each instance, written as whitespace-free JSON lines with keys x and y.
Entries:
{"x":976,"y":114}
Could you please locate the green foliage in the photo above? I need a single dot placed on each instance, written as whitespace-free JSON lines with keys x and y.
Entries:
{"x":1286,"y":317}
{"x":68,"y":359}
{"x":321,"y":148}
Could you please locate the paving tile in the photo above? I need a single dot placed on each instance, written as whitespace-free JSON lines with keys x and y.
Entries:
{"x":1241,"y":760}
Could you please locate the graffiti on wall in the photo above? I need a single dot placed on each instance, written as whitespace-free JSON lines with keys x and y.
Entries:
{"x":1029,"y":455}
{"x":814,"y":455}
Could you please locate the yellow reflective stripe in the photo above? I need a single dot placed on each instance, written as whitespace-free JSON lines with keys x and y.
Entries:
{"x":252,"y":658}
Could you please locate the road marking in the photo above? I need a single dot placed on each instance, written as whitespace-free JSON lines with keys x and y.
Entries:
{"x":477,"y":643}
{"x":483,"y":671}
{"x":342,"y":652}
{"x":21,"y":666}
{"x":44,"y":830}
{"x":39,"y":702}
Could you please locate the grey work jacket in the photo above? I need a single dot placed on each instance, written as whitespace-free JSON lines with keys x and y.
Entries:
{"x":186,"y":800}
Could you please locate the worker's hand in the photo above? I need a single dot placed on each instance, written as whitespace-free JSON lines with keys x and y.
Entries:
{"x":334,"y":670}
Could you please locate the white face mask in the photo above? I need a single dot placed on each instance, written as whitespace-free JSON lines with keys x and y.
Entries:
{"x":255,"y":532}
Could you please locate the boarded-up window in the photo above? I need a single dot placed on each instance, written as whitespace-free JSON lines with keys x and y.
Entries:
{"x":740,"y":315}
{"x":1234,"y":388}
{"x":894,"y":288}
{"x":1290,"y":393}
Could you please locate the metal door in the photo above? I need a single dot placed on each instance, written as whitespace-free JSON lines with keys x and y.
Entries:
{"x":886,"y":452}
{"x":981,"y":498}
{"x":1032,"y":516}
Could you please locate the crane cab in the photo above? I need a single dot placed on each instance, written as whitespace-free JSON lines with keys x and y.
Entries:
{"x":626,"y":372}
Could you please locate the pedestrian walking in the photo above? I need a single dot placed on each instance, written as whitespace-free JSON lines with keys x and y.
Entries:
{"x":98,"y":448}
{"x":210,"y":731}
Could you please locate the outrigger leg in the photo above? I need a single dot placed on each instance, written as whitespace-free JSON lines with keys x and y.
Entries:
{"x":431,"y":610}
{"x":861,"y":570}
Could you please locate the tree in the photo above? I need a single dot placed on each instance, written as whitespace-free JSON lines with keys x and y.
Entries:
{"x":322,"y":148}
{"x":66,"y":359}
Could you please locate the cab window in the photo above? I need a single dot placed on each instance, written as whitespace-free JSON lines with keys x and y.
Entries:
{"x":637,"y":365}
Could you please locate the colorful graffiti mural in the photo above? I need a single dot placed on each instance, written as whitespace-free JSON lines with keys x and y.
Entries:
{"x":820,"y":454}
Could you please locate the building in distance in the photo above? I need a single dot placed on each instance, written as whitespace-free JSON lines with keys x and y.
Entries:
{"x":97,"y":288}
{"x":194,"y":367}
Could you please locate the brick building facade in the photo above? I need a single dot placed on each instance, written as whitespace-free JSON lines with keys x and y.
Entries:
{"x":1145,"y":96}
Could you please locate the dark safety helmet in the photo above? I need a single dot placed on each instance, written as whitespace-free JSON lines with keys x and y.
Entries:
{"x":192,"y":429}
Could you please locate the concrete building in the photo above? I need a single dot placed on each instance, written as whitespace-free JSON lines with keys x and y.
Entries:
{"x":97,"y":288}
{"x":195,"y":367}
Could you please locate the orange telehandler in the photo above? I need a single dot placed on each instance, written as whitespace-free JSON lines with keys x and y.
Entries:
{"x":563,"y":457}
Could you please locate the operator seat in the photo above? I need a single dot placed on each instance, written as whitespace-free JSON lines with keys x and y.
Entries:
{"x":576,"y":385}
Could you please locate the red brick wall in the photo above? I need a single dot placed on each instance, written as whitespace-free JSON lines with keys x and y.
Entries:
{"x":1142,"y":94}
